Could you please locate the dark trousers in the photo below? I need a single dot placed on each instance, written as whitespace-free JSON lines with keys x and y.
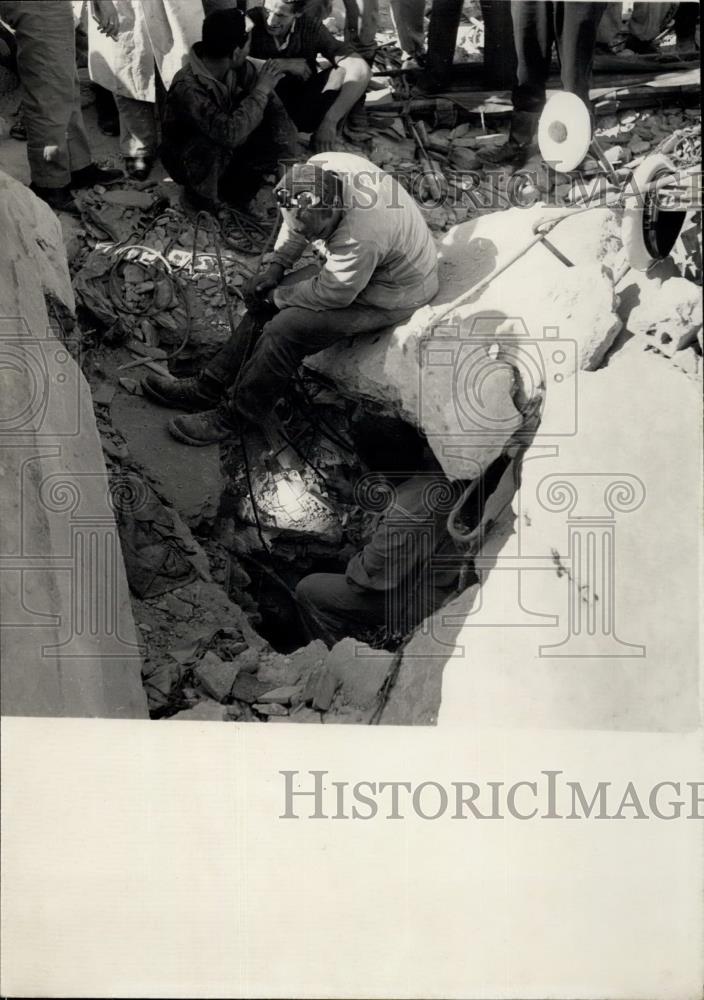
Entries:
{"x":334,"y":609}
{"x":442,"y":41}
{"x":292,"y":335}
{"x":537,"y":26}
{"x":306,"y":101}
{"x":286,"y":339}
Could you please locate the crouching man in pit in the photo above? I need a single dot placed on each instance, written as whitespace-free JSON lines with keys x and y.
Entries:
{"x":380,"y":265}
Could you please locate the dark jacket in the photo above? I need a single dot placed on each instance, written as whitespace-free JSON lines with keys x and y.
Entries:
{"x":206,"y":121}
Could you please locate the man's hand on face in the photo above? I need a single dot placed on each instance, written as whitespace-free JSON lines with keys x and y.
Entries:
{"x":269,"y":76}
{"x":298,"y":68}
{"x":325,"y":137}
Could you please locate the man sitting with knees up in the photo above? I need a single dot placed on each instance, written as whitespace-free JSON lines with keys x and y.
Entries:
{"x":410,"y":563}
{"x":380,"y":265}
{"x":224,"y":127}
{"x":292,"y":33}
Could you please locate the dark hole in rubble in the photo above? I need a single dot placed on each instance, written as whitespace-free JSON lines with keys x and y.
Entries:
{"x":345,"y":442}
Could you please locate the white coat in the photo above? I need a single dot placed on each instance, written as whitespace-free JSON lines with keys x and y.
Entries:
{"x":153,"y":33}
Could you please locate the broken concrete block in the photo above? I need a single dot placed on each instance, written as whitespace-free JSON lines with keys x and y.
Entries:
{"x":282,"y":695}
{"x":325,"y":688}
{"x":305,"y":714}
{"x":264,"y":708}
{"x":283,"y":671}
{"x":215,"y":676}
{"x":360,"y":671}
{"x":247,"y":688}
{"x":204,"y":711}
{"x":668,"y":315}
{"x":248,"y":662}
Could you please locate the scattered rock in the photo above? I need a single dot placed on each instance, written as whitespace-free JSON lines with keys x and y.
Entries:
{"x":247,"y":688}
{"x":669,"y":314}
{"x":204,"y":711}
{"x":282,"y":695}
{"x":359,"y":671}
{"x":290,"y":670}
{"x":268,"y":709}
{"x":178,"y":608}
{"x":304,"y":714}
{"x":325,"y":688}
{"x":249,"y":661}
{"x":216,"y":677}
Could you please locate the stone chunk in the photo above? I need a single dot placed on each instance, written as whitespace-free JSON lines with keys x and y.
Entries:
{"x":266,"y":709}
{"x":248,"y":688}
{"x":360,"y":671}
{"x":668,"y":315}
{"x":282,"y":695}
{"x":204,"y":711}
{"x":325,"y":689}
{"x":305,"y":714}
{"x":216,"y":677}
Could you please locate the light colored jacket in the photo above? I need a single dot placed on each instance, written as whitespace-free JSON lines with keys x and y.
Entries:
{"x":382,"y":253}
{"x":153,"y":34}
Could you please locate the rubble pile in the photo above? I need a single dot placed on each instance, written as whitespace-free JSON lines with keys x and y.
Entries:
{"x":314,"y":684}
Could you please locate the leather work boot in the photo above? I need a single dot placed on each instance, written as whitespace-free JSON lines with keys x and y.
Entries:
{"x":202,"y":429}
{"x":93,"y":174}
{"x":521,"y":142}
{"x":188,"y":394}
{"x":59,"y":199}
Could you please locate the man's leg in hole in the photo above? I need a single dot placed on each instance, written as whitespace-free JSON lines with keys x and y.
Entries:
{"x":333,"y":610}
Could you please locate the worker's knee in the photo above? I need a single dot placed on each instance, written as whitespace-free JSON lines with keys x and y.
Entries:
{"x":311,"y":589}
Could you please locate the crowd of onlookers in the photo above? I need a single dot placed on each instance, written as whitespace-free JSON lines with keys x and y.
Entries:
{"x":222,"y":89}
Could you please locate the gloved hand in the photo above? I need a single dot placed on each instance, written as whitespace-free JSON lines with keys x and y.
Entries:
{"x":257,"y":288}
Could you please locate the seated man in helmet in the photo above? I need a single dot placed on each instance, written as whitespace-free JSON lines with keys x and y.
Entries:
{"x":380,"y":266}
{"x":292,"y":33}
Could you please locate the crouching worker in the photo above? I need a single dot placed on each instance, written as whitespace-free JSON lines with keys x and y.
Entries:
{"x":410,"y":566}
{"x":380,"y":265}
{"x":405,"y":572}
{"x":292,"y":32}
{"x":224,"y":127}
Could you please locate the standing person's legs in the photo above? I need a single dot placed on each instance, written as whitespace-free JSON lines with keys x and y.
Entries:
{"x":611,"y":25}
{"x":533,"y":37}
{"x":686,"y":27}
{"x":138,"y":136}
{"x":576,"y":26}
{"x":442,"y":41}
{"x":57,"y":144}
{"x":407,"y":18}
{"x":647,"y":20}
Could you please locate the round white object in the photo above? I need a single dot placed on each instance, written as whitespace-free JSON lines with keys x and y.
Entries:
{"x":564,"y":132}
{"x":648,"y":234}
